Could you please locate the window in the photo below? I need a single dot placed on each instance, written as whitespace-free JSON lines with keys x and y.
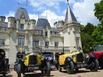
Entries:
{"x":21,"y":27}
{"x":46,"y":33}
{"x":56,"y":44}
{"x":55,"y":33}
{"x":38,"y":32}
{"x":3,"y":29}
{"x":21,"y":39}
{"x":2,"y":42}
{"x":35,"y":43}
{"x":77,"y":41}
{"x":69,"y":33}
{"x":46,"y":44}
{"x":51,"y":32}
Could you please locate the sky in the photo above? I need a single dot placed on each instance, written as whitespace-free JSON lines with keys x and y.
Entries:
{"x":53,"y":10}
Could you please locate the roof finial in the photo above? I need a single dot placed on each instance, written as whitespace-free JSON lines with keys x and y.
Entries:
{"x":67,"y":2}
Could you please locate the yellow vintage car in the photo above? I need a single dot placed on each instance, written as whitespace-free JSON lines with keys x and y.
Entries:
{"x":74,"y":60}
{"x":32,"y":62}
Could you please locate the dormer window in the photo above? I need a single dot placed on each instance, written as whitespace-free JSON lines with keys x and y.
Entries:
{"x":21,"y":27}
{"x":23,"y":16}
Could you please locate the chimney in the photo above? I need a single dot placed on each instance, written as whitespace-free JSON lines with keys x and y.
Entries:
{"x":2,"y":18}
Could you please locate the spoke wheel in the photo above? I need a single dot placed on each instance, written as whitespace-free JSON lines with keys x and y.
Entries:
{"x":59,"y":68}
{"x":47,"y":70}
{"x":94,"y":65}
{"x":70,"y":67}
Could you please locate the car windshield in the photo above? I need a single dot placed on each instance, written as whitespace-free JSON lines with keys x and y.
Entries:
{"x":98,"y":48}
{"x":48,"y":54}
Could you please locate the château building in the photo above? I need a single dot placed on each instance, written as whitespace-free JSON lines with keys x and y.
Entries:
{"x":34,"y":36}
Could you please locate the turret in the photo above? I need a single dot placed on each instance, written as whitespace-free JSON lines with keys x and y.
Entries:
{"x":70,"y":30}
{"x":59,"y":24}
{"x":11,"y":22}
{"x":69,"y":18}
{"x":32,"y":23}
{"x":2,"y":18}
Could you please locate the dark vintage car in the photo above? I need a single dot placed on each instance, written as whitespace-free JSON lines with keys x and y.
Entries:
{"x":30,"y":63}
{"x":51,"y":57}
{"x":74,"y":60}
{"x":4,"y":63}
{"x":97,"y":51}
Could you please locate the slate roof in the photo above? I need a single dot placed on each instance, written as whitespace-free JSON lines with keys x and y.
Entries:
{"x":69,"y":15}
{"x":21,"y":12}
{"x":43,"y":23}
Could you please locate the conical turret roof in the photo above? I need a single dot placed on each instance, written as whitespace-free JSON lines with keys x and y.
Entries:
{"x":69,"y":14}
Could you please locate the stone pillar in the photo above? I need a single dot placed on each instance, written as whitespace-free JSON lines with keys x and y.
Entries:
{"x":26,"y":40}
{"x":32,"y":23}
{"x":18,"y":23}
{"x":30,"y":39}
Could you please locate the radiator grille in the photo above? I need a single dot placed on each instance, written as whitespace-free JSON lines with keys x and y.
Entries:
{"x":80,"y":57}
{"x":32,"y":59}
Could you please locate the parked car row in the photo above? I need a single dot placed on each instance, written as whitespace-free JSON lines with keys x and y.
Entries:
{"x":46,"y":61}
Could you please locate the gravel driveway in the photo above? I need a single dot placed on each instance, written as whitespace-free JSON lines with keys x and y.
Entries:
{"x":80,"y":73}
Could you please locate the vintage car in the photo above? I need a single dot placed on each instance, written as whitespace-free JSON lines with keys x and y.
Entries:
{"x":51,"y":57}
{"x":97,"y":51}
{"x":74,"y":60}
{"x":30,"y":63}
{"x":4,"y":63}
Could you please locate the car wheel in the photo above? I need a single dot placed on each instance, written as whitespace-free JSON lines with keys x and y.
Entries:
{"x":101,"y":62}
{"x":46,"y":70}
{"x":4,"y":74}
{"x":76,"y":69}
{"x":94,"y":65}
{"x":19,"y":74}
{"x":59,"y":68}
{"x":70,"y":67}
{"x":18,"y":70}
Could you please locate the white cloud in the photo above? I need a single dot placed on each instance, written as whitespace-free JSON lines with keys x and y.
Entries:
{"x":84,"y":11}
{"x":33,"y":16}
{"x":52,"y":16}
{"x":11,"y":13}
{"x":44,"y":4}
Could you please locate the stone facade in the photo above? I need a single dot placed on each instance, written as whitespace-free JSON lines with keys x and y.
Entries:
{"x":36,"y":36}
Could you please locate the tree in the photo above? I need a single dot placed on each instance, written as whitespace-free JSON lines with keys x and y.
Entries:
{"x":99,"y":11}
{"x":93,"y":35}
{"x":86,"y":36}
{"x":98,"y":35}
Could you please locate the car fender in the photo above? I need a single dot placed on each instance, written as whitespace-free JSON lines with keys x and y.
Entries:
{"x":68,"y":59}
{"x":90,"y":59}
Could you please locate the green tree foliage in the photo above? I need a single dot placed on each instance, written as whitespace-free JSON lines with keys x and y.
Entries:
{"x":99,"y":11}
{"x":86,"y":36}
{"x":98,"y":35}
{"x":93,"y":35}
